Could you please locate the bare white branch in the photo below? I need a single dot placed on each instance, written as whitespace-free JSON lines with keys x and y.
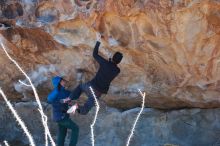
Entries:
{"x":19,"y":120}
{"x":24,"y":83}
{"x":95,"y":118}
{"x":138,"y":116}
{"x":46,"y":129}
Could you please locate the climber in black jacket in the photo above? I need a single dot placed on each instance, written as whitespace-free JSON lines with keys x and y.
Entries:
{"x":107,"y":71}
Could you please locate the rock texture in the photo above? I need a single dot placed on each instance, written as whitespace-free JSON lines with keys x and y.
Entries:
{"x":192,"y":127}
{"x":171,"y":51}
{"x":170,"y":47}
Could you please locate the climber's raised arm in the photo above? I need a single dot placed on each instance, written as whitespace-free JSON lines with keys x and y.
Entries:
{"x":96,"y":55}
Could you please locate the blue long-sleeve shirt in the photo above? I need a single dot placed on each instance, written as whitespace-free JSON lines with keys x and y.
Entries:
{"x":106,"y":73}
{"x":59,"y":109}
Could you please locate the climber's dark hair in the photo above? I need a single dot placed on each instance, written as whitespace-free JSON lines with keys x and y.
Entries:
{"x":117,"y":57}
{"x":59,"y":85}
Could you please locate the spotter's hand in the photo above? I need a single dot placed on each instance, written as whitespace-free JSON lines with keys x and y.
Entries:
{"x":66,"y":100}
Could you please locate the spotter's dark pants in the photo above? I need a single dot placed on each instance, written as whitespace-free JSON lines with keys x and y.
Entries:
{"x":63,"y":125}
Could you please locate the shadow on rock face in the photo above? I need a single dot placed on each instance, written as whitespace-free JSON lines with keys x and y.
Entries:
{"x":46,"y":13}
{"x":12,"y":11}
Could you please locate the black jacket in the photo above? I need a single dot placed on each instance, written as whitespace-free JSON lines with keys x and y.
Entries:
{"x":106,"y":73}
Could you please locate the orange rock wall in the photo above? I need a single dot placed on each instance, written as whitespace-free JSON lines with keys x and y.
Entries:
{"x":171,"y":47}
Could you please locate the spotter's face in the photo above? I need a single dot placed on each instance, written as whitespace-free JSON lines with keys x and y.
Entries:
{"x":63,"y":83}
